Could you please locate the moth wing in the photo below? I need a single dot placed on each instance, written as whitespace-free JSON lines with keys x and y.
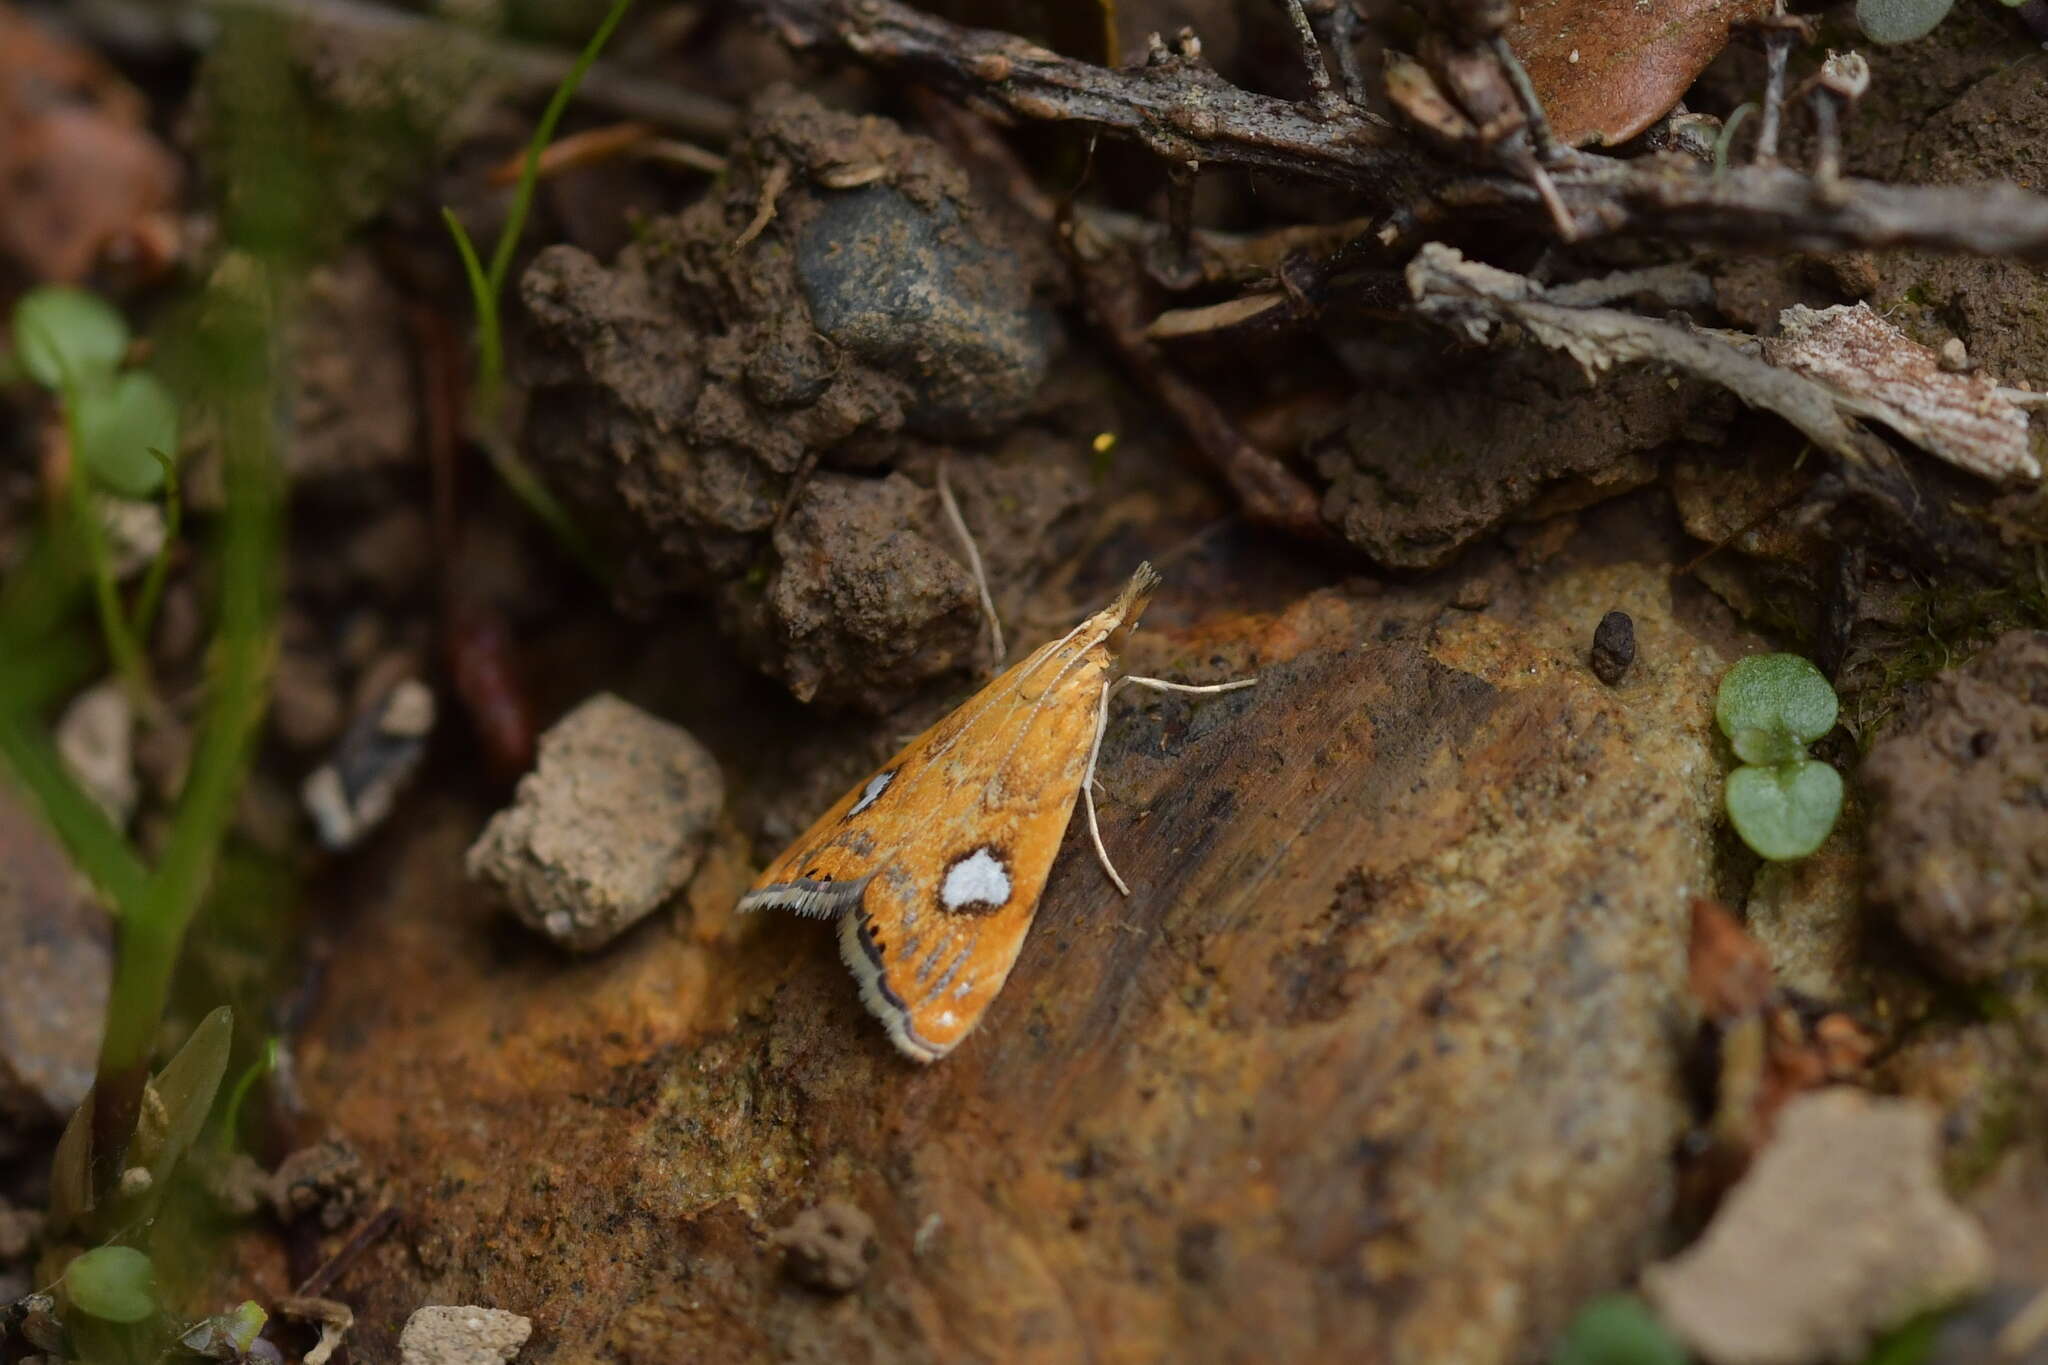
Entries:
{"x":935,"y":864}
{"x":939,"y":926}
{"x":825,"y":870}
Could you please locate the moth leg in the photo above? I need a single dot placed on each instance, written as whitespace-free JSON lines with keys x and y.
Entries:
{"x":1162,"y":685}
{"x":1088,"y":786}
{"x":1095,"y":750}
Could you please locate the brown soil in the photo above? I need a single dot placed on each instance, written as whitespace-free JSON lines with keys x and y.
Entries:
{"x":1389,"y":1054}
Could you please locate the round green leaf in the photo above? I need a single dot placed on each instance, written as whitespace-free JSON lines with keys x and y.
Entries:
{"x":1778,"y":694}
{"x":1785,"y":810}
{"x":66,"y":335}
{"x":1900,"y":21}
{"x":1617,"y":1329}
{"x":115,"y":1283}
{"x":1767,"y":746}
{"x":119,"y":423}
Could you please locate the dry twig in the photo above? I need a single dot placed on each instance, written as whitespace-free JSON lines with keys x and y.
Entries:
{"x":1187,"y":113}
{"x":1265,"y":488}
{"x":1474,"y":299}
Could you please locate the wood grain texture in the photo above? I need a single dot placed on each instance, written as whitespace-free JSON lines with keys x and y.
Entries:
{"x":1378,"y":1063}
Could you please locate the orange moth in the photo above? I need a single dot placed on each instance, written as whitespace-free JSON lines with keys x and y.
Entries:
{"x":934,"y":865}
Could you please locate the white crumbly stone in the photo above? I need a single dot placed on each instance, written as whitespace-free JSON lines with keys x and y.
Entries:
{"x":136,"y":531}
{"x":96,"y":741}
{"x":462,"y":1336}
{"x":609,"y":825}
{"x":1839,"y":1232}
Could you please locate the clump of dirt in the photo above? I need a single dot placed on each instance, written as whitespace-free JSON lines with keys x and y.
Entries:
{"x":327,"y":1180}
{"x":1959,"y":837}
{"x":354,"y":410}
{"x":1416,"y":472}
{"x":844,"y":296}
{"x":829,"y":1247}
{"x":1994,"y":128}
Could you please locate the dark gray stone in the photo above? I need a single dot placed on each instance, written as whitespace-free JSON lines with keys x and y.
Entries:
{"x":910,"y":290}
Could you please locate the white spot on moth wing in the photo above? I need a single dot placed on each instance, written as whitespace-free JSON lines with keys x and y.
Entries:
{"x":979,"y":879}
{"x":877,"y":784}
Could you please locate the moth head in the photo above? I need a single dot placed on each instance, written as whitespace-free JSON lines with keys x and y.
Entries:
{"x":1123,"y":613}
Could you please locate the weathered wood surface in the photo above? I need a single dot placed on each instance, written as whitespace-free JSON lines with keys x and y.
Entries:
{"x":1378,"y":1063}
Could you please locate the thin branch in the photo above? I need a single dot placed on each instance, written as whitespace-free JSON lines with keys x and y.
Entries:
{"x":1472,"y":299}
{"x":1180,"y":109}
{"x":1763,"y":205}
{"x":1184,"y":112}
{"x":1777,"y":47}
{"x":1548,"y":148}
{"x":1320,"y":89}
{"x":1267,"y":490}
{"x":1344,"y":46}
{"x":1216,"y":256}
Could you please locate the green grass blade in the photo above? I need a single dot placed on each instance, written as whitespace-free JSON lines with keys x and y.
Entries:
{"x":159,"y":568}
{"x":243,"y":653}
{"x":95,"y":846}
{"x":490,"y":353}
{"x":543,"y":134}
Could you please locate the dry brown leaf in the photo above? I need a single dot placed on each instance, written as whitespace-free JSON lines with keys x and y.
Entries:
{"x":1769,"y":1051}
{"x":1727,"y":970}
{"x":1607,"y":69}
{"x":84,"y":177}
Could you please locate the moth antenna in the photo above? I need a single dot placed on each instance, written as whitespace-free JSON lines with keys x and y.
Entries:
{"x":1088,"y":786}
{"x":959,"y":525}
{"x":1102,"y":724}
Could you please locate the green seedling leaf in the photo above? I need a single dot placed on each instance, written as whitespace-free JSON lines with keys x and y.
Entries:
{"x":1617,"y":1329}
{"x":186,"y":1087}
{"x":1785,"y":810}
{"x":1781,"y":695}
{"x":120,"y":422}
{"x":66,"y":336}
{"x":1900,"y":21}
{"x":114,"y":1283}
{"x":1767,"y":746}
{"x":228,"y":1336}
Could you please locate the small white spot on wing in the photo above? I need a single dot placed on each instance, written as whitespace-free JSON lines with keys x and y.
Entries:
{"x":869,"y":794}
{"x":978,"y":881}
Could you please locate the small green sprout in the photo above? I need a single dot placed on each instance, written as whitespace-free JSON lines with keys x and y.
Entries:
{"x":1782,"y":802}
{"x":72,"y":343}
{"x":1617,"y":1329}
{"x":487,"y":283}
{"x":1900,"y":21}
{"x":229,"y":1335}
{"x":115,"y":1284}
{"x":67,"y":335}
